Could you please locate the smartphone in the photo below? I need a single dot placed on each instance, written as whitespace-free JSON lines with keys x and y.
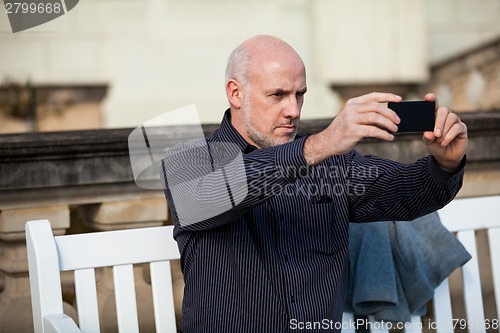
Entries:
{"x":416,"y":116}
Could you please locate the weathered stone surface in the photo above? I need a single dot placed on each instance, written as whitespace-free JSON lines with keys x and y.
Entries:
{"x":56,"y":159}
{"x":12,"y":221}
{"x":124,"y":214}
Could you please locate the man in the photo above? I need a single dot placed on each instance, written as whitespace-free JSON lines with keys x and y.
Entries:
{"x":261,"y":215}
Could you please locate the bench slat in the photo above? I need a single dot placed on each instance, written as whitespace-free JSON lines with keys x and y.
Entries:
{"x":415,"y":325}
{"x":493,"y":237}
{"x":163,"y":297}
{"x":86,"y":300}
{"x":347,"y":320}
{"x":472,"y":284}
{"x":442,"y":308}
{"x":126,"y":305}
{"x":377,"y":326}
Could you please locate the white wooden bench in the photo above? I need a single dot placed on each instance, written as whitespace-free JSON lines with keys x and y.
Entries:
{"x":82,"y":253}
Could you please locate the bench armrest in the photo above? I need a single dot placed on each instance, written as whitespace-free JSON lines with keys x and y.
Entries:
{"x":59,"y":323}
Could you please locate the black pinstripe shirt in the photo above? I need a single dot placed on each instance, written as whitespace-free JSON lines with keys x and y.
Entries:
{"x":273,"y":255}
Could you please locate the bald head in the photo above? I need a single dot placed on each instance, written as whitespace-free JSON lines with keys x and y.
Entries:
{"x":256,"y":52}
{"x":265,"y":86}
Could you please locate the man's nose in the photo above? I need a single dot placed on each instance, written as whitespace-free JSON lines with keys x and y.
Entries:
{"x":292,"y":109}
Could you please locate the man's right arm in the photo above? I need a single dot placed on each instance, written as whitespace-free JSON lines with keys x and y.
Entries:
{"x":208,"y":184}
{"x":363,"y":117}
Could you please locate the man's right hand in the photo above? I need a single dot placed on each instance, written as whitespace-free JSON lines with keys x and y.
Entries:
{"x":365,"y":116}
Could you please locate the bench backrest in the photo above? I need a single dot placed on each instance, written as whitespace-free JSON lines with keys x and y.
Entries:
{"x":465,"y":216}
{"x":82,"y":253}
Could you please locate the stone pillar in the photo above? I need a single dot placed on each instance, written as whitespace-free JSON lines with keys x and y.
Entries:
{"x":146,"y":212}
{"x":15,"y":300}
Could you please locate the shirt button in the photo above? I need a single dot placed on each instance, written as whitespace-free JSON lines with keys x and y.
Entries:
{"x":292,"y":299}
{"x":285,"y":257}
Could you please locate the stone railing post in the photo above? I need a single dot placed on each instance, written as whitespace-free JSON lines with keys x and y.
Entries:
{"x":15,"y":300}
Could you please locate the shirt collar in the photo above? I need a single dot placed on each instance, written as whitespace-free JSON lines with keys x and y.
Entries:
{"x":228,"y":133}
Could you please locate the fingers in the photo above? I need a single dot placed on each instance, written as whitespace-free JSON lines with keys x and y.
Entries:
{"x":376,"y":97}
{"x":364,"y":117}
{"x":372,"y":116}
{"x":374,"y":113}
{"x":444,"y":121}
{"x":368,"y":131}
{"x":429,"y":138}
{"x":431,"y":97}
{"x":448,"y":126}
{"x":458,"y":129}
{"x":441,"y":116}
{"x":451,"y":120}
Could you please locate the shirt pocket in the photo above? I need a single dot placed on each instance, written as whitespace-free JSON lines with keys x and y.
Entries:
{"x":324,"y":233}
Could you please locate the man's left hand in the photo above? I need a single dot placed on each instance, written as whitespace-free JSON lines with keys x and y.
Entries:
{"x":448,"y":141}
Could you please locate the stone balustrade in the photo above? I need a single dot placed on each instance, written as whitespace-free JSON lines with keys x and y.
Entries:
{"x":82,"y":181}
{"x":471,"y":80}
{"x":467,"y":82}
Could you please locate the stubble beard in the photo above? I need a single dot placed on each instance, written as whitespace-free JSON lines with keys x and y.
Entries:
{"x":262,"y":140}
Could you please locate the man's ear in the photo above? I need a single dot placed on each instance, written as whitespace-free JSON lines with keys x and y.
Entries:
{"x":234,"y":93}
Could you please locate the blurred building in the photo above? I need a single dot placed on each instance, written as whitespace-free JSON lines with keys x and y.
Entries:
{"x":152,"y":56}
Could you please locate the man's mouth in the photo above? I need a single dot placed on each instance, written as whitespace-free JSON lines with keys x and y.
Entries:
{"x":287,"y":128}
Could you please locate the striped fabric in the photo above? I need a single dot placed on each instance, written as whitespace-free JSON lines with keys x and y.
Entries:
{"x":272,"y":253}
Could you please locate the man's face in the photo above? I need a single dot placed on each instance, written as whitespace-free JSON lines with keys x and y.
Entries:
{"x":273,"y":101}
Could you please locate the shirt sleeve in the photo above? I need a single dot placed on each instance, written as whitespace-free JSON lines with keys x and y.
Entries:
{"x":381,"y":190}
{"x":208,"y":184}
